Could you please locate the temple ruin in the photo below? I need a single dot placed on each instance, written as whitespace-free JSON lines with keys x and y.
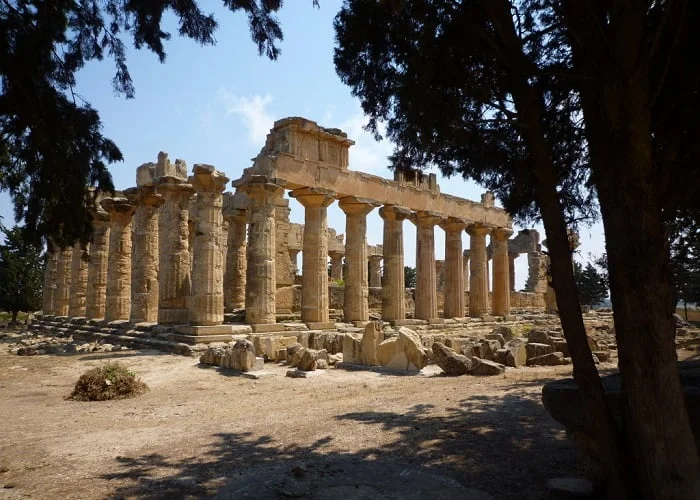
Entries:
{"x":177,"y":250}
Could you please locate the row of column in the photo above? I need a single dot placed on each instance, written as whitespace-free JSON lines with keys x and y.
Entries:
{"x":260,"y":282}
{"x":138,"y":266}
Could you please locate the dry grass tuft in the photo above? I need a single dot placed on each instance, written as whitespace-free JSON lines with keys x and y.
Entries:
{"x":111,"y":381}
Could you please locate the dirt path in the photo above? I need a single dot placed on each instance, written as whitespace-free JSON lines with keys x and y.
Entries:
{"x":198,"y":428}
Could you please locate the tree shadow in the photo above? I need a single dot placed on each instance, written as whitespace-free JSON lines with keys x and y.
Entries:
{"x":504,"y":444}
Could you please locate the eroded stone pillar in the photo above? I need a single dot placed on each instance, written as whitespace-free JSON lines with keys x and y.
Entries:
{"x":426,"y":284}
{"x":501,"y":277}
{"x":118,"y":303}
{"x":50,"y":281}
{"x":478,"y":272}
{"x":314,"y":274}
{"x":206,"y":305}
{"x":63,"y":281}
{"x":98,"y":265}
{"x":294,"y":268}
{"x":375,"y":270}
{"x":173,"y":254}
{"x":261,"y":271}
{"x":454,"y":268}
{"x":356,"y":299}
{"x":78,"y":285}
{"x":235,"y":274}
{"x":394,"y":288}
{"x":144,"y":278}
{"x":336,"y":265}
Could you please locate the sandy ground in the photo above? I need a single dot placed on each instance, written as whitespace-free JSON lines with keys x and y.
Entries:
{"x":199,"y":428}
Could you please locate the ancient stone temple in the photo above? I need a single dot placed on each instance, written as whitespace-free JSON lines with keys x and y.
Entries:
{"x":178,"y":250}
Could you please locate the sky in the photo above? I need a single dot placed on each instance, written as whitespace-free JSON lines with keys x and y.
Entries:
{"x":215,"y":105}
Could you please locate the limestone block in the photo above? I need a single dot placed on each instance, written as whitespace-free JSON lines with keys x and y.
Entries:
{"x":489,"y":348}
{"x":292,"y":350}
{"x":501,"y":355}
{"x":504,"y":331}
{"x":602,"y":356}
{"x":460,"y":345}
{"x":310,"y":358}
{"x":352,"y":348}
{"x":535,"y":349}
{"x":413,"y":347}
{"x":517,"y":353}
{"x":371,"y":338}
{"x":242,"y":357}
{"x":539,"y":336}
{"x":553,"y":358}
{"x":562,"y":346}
{"x":145,"y":175}
{"x":485,"y":367}
{"x":214,"y":355}
{"x":164,"y":168}
{"x":451,"y":362}
{"x":498,"y":337}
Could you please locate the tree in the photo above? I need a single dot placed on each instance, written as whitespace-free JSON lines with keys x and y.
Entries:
{"x":409,"y":276}
{"x":21,"y":273}
{"x":685,"y":258}
{"x":542,"y":102}
{"x":51,"y":142}
{"x":591,"y":284}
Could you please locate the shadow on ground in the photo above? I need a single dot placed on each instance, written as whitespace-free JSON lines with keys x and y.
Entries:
{"x":504,"y":445}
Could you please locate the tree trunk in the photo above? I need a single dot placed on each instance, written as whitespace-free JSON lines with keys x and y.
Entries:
{"x":14,"y":317}
{"x":617,"y":111}
{"x":529,"y":104}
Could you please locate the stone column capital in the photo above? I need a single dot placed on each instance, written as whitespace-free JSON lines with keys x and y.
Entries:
{"x":375,"y":258}
{"x":206,"y":179}
{"x":426,"y":218}
{"x":144,"y":196}
{"x":260,"y":188}
{"x":118,"y":208}
{"x":235,"y":215}
{"x":333,"y":254}
{"x":172,"y":186}
{"x":478,"y":229}
{"x":453,"y":225}
{"x":394,"y":212}
{"x":311,"y":197}
{"x":501,"y":233}
{"x":354,"y":205}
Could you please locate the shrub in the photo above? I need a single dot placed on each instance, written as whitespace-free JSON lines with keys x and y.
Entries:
{"x":111,"y":381}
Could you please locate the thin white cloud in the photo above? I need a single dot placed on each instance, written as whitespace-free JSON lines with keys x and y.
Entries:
{"x":253,"y":112}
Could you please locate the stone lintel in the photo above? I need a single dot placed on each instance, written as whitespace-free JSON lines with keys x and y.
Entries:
{"x":267,"y":328}
{"x":321,"y":325}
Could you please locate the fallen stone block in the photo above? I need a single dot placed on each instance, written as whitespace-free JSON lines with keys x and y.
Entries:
{"x":517,"y":353}
{"x":535,"y":349}
{"x":452,"y":364}
{"x":551,"y":359}
{"x":485,"y":367}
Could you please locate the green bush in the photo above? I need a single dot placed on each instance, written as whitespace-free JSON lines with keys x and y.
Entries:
{"x":111,"y":381}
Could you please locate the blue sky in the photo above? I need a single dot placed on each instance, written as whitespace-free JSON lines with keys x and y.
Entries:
{"x":215,"y":105}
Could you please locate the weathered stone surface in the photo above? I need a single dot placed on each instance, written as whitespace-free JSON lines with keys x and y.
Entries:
{"x":292,"y":351}
{"x":451,"y":363}
{"x":602,"y":355}
{"x":460,"y":345}
{"x":497,"y":336}
{"x":242,"y":357}
{"x":562,"y":346}
{"x":517,"y":353}
{"x":551,"y":359}
{"x":504,"y":331}
{"x":412,"y":347}
{"x":372,"y":337}
{"x":485,"y":367}
{"x":501,"y":355}
{"x":535,"y":349}
{"x":539,"y":336}
{"x":309,"y":359}
{"x":352,"y":348}
{"x":213,"y":355}
{"x":489,"y":348}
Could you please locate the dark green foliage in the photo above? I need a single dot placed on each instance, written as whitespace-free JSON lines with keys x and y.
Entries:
{"x":409,"y":276}
{"x":111,"y":381}
{"x":591,"y":284}
{"x":22,"y":264}
{"x":685,"y":257}
{"x":51,"y":142}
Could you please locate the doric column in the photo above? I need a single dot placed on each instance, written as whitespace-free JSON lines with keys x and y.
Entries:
{"x":465,"y":261}
{"x":97,"y":265}
{"x":478,"y":272}
{"x":234,"y":276}
{"x":118,"y":304}
{"x":173,"y":253}
{"x":261,"y":282}
{"x":206,"y":305}
{"x":314,"y":273}
{"x":78,"y":284}
{"x":454,"y":268}
{"x":63,"y":280}
{"x":394,"y":289}
{"x":336,"y":265}
{"x":426,"y":284}
{"x":375,"y":270}
{"x":501,"y":281}
{"x":511,"y":269}
{"x":144,"y":278}
{"x":50,"y":280}
{"x":294,"y":268}
{"x":356,"y":299}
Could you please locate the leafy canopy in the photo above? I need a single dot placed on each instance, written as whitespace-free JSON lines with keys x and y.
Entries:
{"x":51,"y":142}
{"x":21,"y":272}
